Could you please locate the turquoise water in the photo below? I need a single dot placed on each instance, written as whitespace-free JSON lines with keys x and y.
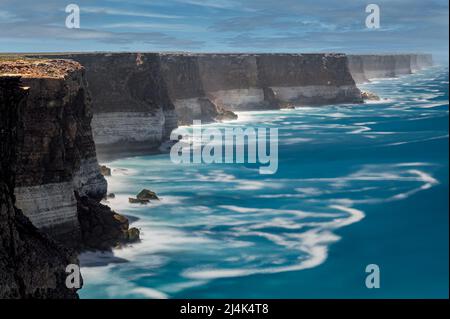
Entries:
{"x":356,"y":185}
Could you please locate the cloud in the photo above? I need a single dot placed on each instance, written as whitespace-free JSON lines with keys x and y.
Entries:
{"x":225,"y":25}
{"x":24,"y":31}
{"x":8,"y":17}
{"x":217,"y":4}
{"x":156,"y":26}
{"x":271,"y":22}
{"x":119,"y":12}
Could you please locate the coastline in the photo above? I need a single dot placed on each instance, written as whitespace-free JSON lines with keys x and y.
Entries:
{"x":310,"y":283}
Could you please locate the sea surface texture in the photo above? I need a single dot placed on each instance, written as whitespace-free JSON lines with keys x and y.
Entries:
{"x":356,"y":185}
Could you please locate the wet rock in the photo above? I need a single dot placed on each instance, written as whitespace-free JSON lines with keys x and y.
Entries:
{"x":105,"y":171}
{"x":287,"y":106}
{"x":225,"y":115}
{"x":138,"y":201}
{"x":147,"y":195}
{"x":133,"y":235}
{"x":101,"y":227}
{"x":369,"y":96}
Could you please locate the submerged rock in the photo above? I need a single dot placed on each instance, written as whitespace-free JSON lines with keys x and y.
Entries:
{"x":287,"y":106}
{"x":366,"y":95}
{"x":105,"y":171}
{"x":133,"y":235}
{"x":138,"y":201}
{"x":225,"y":115}
{"x":146,"y":194}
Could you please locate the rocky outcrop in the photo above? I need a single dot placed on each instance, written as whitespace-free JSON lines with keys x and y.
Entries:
{"x":55,"y":160}
{"x":370,"y":66}
{"x":31,"y":264}
{"x":102,"y":228}
{"x":370,"y":96}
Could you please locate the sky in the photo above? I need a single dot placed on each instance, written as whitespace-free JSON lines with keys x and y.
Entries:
{"x":226,"y":26}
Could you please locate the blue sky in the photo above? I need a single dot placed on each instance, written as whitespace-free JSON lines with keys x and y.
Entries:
{"x":225,"y":26}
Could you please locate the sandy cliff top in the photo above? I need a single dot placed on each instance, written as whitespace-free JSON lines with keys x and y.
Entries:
{"x":31,"y":68}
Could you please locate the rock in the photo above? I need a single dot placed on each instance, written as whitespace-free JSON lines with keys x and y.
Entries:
{"x":32,"y":265}
{"x":287,"y":106}
{"x":111,"y":195}
{"x":52,"y":165}
{"x":147,"y":195}
{"x":225,"y":115}
{"x":138,"y":201}
{"x":105,"y":171}
{"x":133,"y":235}
{"x":101,"y":227}
{"x":366,"y":95}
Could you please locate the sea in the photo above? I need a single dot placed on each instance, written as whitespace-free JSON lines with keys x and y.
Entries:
{"x":358,"y":187}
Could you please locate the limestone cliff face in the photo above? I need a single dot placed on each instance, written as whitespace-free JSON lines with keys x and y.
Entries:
{"x":31,"y":264}
{"x":56,"y":155}
{"x":130,"y":100}
{"x":55,"y":174}
{"x":139,"y":98}
{"x":185,"y":87}
{"x":308,"y":79}
{"x":231,"y":81}
{"x":370,"y":66}
{"x":243,"y":81}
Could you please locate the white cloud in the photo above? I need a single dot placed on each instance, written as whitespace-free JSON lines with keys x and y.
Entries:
{"x":155,"y":26}
{"x":144,"y":14}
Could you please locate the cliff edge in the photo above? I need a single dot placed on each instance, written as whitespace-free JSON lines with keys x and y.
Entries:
{"x":31,"y":264}
{"x":56,"y":181}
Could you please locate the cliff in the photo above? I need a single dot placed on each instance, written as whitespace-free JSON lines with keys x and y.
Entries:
{"x":31,"y":264}
{"x":55,"y":166}
{"x":370,"y":66}
{"x":308,"y":79}
{"x":130,"y":101}
{"x":139,"y":98}
{"x":181,"y":74}
{"x":55,"y":152}
{"x":232,"y":81}
{"x":265,"y":81}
